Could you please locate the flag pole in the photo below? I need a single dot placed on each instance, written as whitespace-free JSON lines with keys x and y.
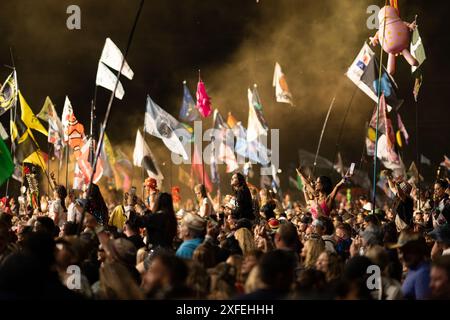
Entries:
{"x":108,"y":111}
{"x":374,"y":190}
{"x":67,"y":166}
{"x":143,"y":169}
{"x":321,"y":134}
{"x":419,"y":165}
{"x":48,"y":164}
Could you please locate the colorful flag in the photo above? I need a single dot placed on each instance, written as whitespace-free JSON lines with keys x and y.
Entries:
{"x":231,"y":120}
{"x":124,"y":168}
{"x":402,"y":128}
{"x":282,"y":92}
{"x":224,"y":143}
{"x":7,"y":164}
{"x":425,"y":160}
{"x":73,"y":130}
{"x":387,"y":155}
{"x":113,"y":57}
{"x":162,"y":125}
{"x":257,"y":125}
{"x":203,"y":100}
{"x":55,"y":127}
{"x":198,"y":170}
{"x":8,"y":93}
{"x":28,"y":117}
{"x":143,"y":157}
{"x":38,"y":158}
{"x":364,"y":73}
{"x":85,"y":166}
{"x":188,"y":112}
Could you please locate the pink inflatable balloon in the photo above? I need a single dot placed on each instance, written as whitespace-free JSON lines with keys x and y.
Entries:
{"x":394,"y":36}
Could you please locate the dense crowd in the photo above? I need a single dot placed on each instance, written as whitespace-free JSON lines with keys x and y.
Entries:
{"x":247,"y":245}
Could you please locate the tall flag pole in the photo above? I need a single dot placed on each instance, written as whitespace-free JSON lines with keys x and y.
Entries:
{"x":379,"y":92}
{"x":108,"y":110}
{"x":322,"y":132}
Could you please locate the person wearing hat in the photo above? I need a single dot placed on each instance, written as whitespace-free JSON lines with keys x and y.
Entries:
{"x":413,"y":252}
{"x":403,"y":205}
{"x":192,"y":232}
{"x":441,"y":236}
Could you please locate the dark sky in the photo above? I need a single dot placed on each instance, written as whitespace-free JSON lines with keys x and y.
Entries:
{"x":235,"y":43}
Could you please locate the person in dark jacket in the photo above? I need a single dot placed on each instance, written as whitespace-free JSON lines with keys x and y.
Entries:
{"x":161,"y":225}
{"x":244,"y":204}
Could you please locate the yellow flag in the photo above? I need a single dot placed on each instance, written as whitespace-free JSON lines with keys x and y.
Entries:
{"x":37,"y":158}
{"x":28,"y":117}
{"x":231,"y":120}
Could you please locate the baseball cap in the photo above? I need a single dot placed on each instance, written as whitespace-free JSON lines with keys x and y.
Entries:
{"x":194,"y":222}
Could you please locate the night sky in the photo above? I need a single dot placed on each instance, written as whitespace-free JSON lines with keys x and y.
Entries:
{"x":235,"y":43}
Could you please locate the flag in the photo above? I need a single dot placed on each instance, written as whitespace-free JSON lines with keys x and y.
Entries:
{"x":275,"y":184}
{"x":418,"y":52}
{"x":402,"y":128}
{"x":106,"y":79}
{"x":446,"y":162}
{"x":364,"y":73}
{"x":162,"y":125}
{"x":282,"y":92}
{"x":425,"y":160}
{"x":231,"y":120}
{"x":38,"y":158}
{"x":256,"y":125}
{"x":85,"y":166}
{"x":109,"y":158}
{"x":7,"y":164}
{"x":253,"y":150}
{"x":124,"y":167}
{"x":3,"y":134}
{"x":188,"y":112}
{"x":73,"y":130}
{"x":203,"y":100}
{"x":307,"y":160}
{"x":55,"y":127}
{"x":28,"y":117}
{"x":413,"y":172}
{"x":143,"y":157}
{"x":8,"y":93}
{"x":112,"y":57}
{"x":197,"y":170}
{"x":224,"y":150}
{"x":79,"y":182}
{"x":296,"y":183}
{"x":387,"y":155}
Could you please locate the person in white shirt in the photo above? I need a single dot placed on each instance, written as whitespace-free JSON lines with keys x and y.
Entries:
{"x":73,"y":214}
{"x":57,"y":208}
{"x":205,"y":206}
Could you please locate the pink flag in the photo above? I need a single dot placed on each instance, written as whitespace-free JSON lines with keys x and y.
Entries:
{"x":203,"y":101}
{"x":197,"y":170}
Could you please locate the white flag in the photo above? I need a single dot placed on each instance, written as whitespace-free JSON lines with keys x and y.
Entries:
{"x":107,"y":80}
{"x":162,"y":125}
{"x":3,"y":133}
{"x":143,"y":156}
{"x":282,"y":92}
{"x":112,"y":57}
{"x":256,"y":125}
{"x":425,"y":160}
{"x":67,"y":111}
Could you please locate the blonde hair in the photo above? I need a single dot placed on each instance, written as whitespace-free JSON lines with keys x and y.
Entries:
{"x":253,"y":281}
{"x":116,"y":283}
{"x":245,"y":239}
{"x":314,"y":246}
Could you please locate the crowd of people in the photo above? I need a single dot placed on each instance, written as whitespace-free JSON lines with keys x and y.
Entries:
{"x":247,"y":245}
